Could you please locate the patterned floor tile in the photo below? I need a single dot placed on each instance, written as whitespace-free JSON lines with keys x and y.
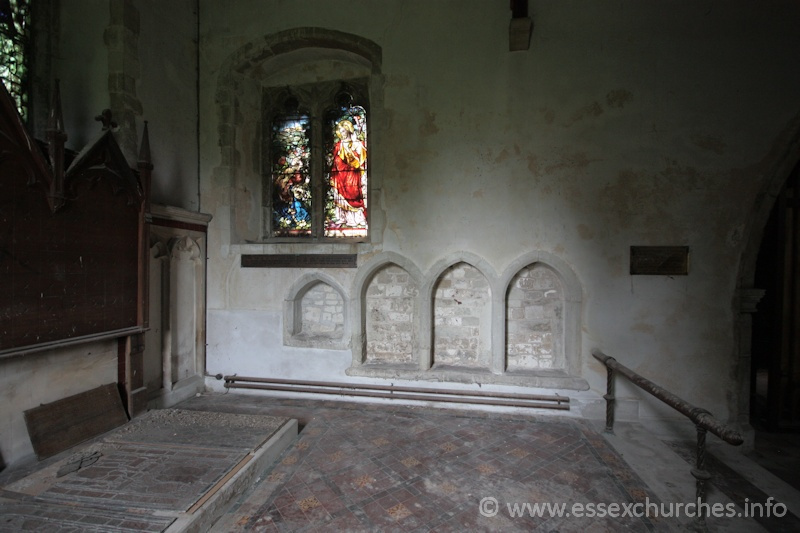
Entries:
{"x":426,"y":470}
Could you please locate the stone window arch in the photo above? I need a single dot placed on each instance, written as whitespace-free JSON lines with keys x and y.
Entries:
{"x":312,"y":68}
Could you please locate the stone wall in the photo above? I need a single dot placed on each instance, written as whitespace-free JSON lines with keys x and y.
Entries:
{"x":322,"y":311}
{"x":597,"y":138}
{"x":390,"y":316}
{"x":461,"y":308}
{"x":534,"y":320}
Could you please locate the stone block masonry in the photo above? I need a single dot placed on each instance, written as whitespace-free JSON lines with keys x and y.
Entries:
{"x":322,"y":312}
{"x":390,"y":316}
{"x":534,"y":320}
{"x":462,"y":318}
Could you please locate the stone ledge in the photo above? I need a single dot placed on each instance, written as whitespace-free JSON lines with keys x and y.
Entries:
{"x":545,"y":379}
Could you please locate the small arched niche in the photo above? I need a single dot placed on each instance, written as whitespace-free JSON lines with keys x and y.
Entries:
{"x":535,"y":320}
{"x":462,"y":318}
{"x":390,"y":317}
{"x":315,"y":315}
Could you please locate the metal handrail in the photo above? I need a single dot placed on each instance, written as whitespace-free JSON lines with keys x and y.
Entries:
{"x":702,"y":419}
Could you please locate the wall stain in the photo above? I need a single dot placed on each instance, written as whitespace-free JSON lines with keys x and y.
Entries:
{"x":618,"y":98}
{"x":686,"y":178}
{"x":627,"y":196}
{"x":398,"y":80}
{"x":502,"y":157}
{"x":710,"y":143}
{"x":428,"y":126}
{"x":478,"y":193}
{"x":643,"y":328}
{"x":533,"y":165}
{"x":592,"y":110}
{"x":586,"y":233}
{"x":571,"y":161}
{"x":549,"y":115}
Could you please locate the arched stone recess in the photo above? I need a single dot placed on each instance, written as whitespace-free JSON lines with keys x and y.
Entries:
{"x":460,"y":295}
{"x":463,"y":297}
{"x":157,"y":374}
{"x":285,"y":58}
{"x":542,"y":310}
{"x":534,"y":320}
{"x":315,"y":313}
{"x":185,"y":308}
{"x":387,"y":303}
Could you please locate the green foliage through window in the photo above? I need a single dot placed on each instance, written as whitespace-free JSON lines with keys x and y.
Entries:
{"x":14,"y":46}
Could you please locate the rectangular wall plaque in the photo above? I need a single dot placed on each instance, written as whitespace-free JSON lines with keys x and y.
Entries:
{"x":299,"y":261}
{"x":660,"y":260}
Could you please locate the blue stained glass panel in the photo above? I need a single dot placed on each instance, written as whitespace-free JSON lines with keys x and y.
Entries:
{"x":291,"y":177}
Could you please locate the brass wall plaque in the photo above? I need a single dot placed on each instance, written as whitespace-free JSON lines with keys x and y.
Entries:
{"x":660,"y":260}
{"x":299,"y":261}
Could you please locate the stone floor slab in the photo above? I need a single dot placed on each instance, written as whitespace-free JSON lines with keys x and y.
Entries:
{"x":153,"y":472}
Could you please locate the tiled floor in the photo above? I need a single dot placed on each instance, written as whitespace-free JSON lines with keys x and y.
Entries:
{"x":404,"y":469}
{"x":358,"y":467}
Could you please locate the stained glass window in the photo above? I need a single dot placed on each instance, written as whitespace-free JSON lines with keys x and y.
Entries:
{"x":346,"y":173}
{"x":318,"y":178}
{"x":14,"y":39}
{"x":291,"y":177}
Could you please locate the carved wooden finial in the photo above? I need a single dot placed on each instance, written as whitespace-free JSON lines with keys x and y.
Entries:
{"x":55,"y":122}
{"x":105,"y":118}
{"x":145,"y":165}
{"x":56,"y":138}
{"x":144,"y":151}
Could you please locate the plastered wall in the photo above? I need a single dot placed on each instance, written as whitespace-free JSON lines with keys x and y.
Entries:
{"x":30,"y":380}
{"x":139,"y":58}
{"x":625,"y":123}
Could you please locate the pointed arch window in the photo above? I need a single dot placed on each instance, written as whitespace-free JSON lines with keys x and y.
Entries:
{"x":317,"y":185}
{"x":14,"y":50}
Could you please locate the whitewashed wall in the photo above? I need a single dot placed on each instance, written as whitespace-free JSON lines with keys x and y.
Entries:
{"x":27,"y":381}
{"x":156,"y":52}
{"x":626,"y":123}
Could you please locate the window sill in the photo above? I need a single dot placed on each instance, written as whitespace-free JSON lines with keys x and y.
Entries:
{"x":300,"y":248}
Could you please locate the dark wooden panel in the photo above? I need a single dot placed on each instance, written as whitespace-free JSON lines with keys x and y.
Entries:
{"x":660,"y":260}
{"x":70,"y":251}
{"x":299,"y":261}
{"x":57,"y":426}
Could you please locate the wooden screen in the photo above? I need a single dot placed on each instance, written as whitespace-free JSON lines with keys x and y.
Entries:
{"x":70,"y":237}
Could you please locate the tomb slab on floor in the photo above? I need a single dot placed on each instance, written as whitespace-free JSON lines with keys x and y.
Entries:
{"x":164,"y":467}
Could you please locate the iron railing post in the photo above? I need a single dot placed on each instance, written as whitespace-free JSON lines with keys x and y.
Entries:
{"x":702,"y":419}
{"x":609,"y":397}
{"x":701,"y":475}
